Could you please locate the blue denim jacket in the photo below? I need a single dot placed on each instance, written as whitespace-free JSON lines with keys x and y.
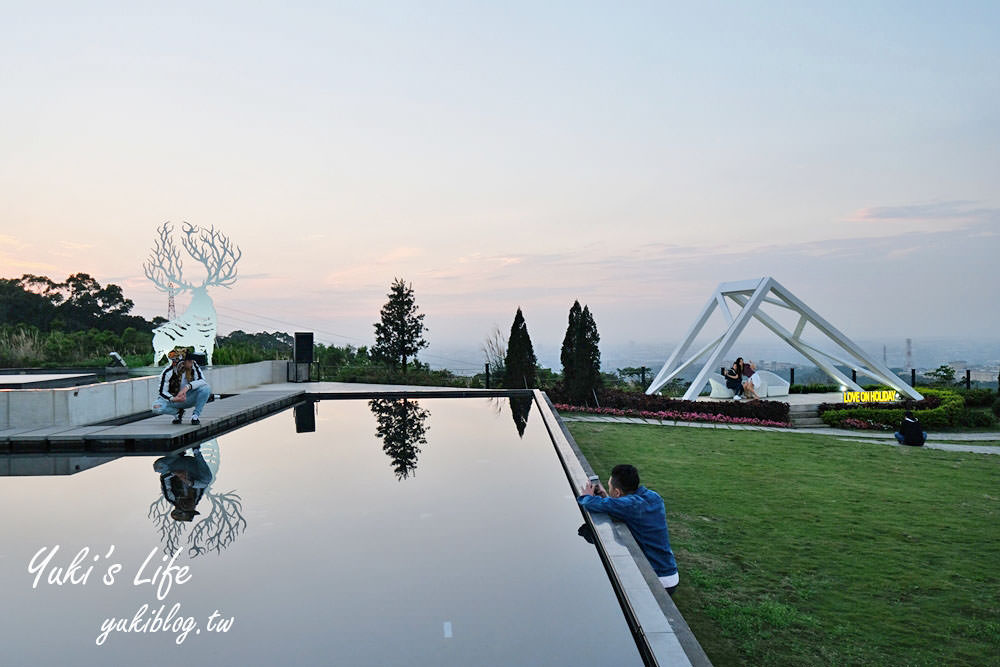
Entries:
{"x":644,"y":514}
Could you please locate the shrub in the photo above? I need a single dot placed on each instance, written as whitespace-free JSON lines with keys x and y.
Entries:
{"x":975,"y":418}
{"x":948,"y":412}
{"x":242,"y":353}
{"x":774,"y":411}
{"x":928,"y":403}
{"x":996,"y":407}
{"x":977,"y":398}
{"x":813,"y":388}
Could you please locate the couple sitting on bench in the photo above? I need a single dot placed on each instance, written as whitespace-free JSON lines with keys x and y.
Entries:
{"x":743,"y":380}
{"x":740,"y":379}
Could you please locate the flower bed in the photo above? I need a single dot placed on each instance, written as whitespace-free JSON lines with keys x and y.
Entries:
{"x":770,"y":411}
{"x":866,"y":424}
{"x":672,"y":415}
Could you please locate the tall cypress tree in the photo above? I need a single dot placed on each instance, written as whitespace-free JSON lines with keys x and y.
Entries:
{"x":568,"y":354}
{"x":581,"y":356}
{"x":520,"y":362}
{"x":589,"y":371}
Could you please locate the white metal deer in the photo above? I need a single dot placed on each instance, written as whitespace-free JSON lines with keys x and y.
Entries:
{"x":196,"y":327}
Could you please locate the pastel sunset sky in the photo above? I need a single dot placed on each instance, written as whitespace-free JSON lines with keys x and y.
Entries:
{"x":630,"y":155}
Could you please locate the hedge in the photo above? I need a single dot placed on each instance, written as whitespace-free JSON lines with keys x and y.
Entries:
{"x":774,"y":411}
{"x":928,"y":403}
{"x":978,"y":398}
{"x":949,"y":412}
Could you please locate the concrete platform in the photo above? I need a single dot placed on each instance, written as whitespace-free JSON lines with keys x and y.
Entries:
{"x":154,"y":434}
{"x":45,"y":380}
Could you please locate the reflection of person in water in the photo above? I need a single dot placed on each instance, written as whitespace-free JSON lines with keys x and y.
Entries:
{"x":183,"y":480}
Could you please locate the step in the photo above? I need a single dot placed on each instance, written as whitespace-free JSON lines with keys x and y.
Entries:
{"x":808,"y":422}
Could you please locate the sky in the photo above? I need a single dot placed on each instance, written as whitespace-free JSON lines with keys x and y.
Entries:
{"x":495,"y":155}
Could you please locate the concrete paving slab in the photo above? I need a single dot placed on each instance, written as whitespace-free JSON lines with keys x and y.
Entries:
{"x":942,"y":446}
{"x":41,"y":434}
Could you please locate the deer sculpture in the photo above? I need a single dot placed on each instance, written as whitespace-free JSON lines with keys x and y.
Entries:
{"x":196,"y":327}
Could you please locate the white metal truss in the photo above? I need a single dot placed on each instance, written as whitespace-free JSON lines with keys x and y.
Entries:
{"x":749,"y":295}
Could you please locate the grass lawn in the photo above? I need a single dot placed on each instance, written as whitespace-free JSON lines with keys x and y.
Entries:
{"x":804,"y":550}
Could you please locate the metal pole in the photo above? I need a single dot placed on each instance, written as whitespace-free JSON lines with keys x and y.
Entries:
{"x":791,"y":376}
{"x":854,"y":375}
{"x":913,"y":377}
{"x":487,"y":376}
{"x":968,"y":379}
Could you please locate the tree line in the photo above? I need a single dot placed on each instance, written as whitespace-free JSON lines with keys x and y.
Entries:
{"x":79,"y":321}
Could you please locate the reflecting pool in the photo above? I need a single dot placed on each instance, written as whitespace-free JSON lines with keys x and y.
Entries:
{"x":422,"y":531}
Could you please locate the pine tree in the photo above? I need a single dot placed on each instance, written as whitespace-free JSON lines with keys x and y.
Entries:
{"x":520,"y":362}
{"x":399,"y":335}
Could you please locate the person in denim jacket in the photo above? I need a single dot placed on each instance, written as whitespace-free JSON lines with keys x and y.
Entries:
{"x":643,"y":512}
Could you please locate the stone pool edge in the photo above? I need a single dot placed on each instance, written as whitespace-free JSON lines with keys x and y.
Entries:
{"x":661,"y":626}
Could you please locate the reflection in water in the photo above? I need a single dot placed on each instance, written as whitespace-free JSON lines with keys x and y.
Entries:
{"x":184,"y":482}
{"x":401,"y":429}
{"x":520,"y":408}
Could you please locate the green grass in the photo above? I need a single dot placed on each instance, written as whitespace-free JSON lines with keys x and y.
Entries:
{"x":804,"y":550}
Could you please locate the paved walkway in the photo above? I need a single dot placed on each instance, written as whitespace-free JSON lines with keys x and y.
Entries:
{"x":959,"y":442}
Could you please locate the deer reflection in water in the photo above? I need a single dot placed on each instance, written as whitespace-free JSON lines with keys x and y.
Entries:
{"x":401,"y":428}
{"x":185,"y":481}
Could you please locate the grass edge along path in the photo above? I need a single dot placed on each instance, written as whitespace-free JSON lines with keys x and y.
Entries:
{"x":798,"y":549}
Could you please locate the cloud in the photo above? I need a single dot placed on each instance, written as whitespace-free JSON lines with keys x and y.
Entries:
{"x":12,"y":242}
{"x":397,"y":254}
{"x":957,"y":212}
{"x":72,"y":245}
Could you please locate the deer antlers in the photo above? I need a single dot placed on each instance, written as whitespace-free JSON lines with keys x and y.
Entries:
{"x":213,"y":249}
{"x":163,"y":267}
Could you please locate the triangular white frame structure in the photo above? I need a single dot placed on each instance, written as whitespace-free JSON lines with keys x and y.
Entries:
{"x":749,"y":295}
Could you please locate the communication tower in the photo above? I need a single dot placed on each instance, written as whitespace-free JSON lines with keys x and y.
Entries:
{"x":171,"y":309}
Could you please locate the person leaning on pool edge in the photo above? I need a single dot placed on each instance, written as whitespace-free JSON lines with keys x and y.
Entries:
{"x":643,"y":512}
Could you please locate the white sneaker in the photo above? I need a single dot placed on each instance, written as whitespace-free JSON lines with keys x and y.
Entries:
{"x":736,"y":398}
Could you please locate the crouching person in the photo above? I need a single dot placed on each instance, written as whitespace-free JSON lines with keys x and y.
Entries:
{"x":643,"y":512}
{"x":182,"y":386}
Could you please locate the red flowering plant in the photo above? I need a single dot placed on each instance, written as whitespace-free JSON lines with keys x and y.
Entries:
{"x":672,"y":415}
{"x":866,"y":424}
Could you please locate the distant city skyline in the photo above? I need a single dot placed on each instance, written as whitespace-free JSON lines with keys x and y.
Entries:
{"x":631,"y":157}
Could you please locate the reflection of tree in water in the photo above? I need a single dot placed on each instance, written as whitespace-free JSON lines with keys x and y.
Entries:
{"x":401,"y":428}
{"x":217,"y":528}
{"x":520,"y":408}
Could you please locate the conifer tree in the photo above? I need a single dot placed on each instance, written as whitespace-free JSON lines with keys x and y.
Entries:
{"x":568,"y":354}
{"x":589,"y":370}
{"x":520,"y":362}
{"x":399,"y":334}
{"x":581,"y":356}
